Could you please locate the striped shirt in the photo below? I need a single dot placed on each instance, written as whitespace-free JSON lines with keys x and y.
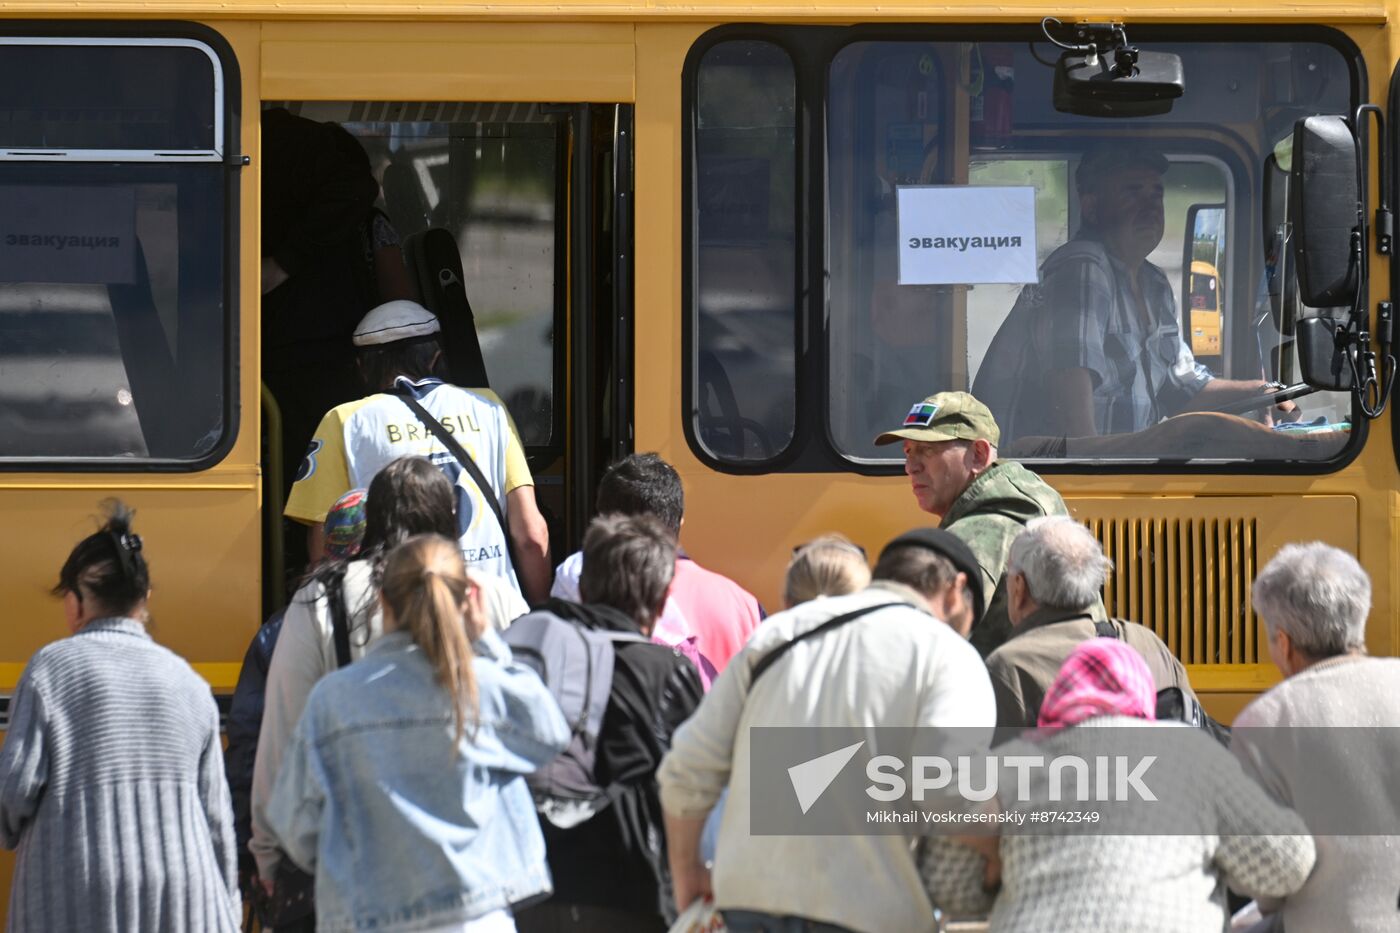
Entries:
{"x":1142,"y":370}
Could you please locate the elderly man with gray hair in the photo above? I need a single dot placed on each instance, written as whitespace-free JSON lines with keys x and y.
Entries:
{"x":1314,"y":600}
{"x":1055,"y":572}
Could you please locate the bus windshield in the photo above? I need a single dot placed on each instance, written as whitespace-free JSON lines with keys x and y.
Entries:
{"x":1098,"y":333}
{"x":1114,"y":289}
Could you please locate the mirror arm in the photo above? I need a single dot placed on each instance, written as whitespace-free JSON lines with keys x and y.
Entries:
{"x":1385,"y":222}
{"x":1372,"y":388}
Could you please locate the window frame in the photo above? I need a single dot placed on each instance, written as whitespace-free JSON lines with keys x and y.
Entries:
{"x":228,"y":110}
{"x":812,"y":49}
{"x":1393,"y":281}
{"x":690,"y":318}
{"x":216,"y":154}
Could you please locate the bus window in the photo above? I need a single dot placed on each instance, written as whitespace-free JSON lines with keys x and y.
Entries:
{"x":113,"y":250}
{"x":744,"y":368}
{"x":1070,"y":274}
{"x":886,"y":130}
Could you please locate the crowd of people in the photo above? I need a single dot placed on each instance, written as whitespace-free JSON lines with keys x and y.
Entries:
{"x":412,"y":747}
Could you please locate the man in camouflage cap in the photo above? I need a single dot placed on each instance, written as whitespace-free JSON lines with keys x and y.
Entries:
{"x":950,"y":456}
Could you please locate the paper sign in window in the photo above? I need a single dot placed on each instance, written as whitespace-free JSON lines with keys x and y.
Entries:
{"x":75,"y":235}
{"x":966,"y":235}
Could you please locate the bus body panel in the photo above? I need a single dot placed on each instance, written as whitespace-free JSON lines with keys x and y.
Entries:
{"x":550,"y":62}
{"x":204,"y":531}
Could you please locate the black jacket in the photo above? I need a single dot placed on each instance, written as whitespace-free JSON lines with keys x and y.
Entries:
{"x":617,"y":859}
{"x":244,"y":722}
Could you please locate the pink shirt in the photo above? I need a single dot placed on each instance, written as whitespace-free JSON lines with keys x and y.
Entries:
{"x":716,"y":612}
{"x":721,"y":613}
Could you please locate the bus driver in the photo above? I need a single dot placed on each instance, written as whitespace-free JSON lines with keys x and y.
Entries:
{"x":1103,"y":352}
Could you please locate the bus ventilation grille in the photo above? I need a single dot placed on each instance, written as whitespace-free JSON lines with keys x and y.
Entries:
{"x":1189,"y":581}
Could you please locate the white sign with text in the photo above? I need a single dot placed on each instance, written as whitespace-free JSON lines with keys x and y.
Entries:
{"x":70,"y":234}
{"x":966,"y":235}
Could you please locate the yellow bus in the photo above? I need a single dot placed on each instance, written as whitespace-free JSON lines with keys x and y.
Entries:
{"x":685,"y":227}
{"x":1204,"y":309}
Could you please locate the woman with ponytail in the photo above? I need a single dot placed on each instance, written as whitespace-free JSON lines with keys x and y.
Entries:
{"x":111,"y":778}
{"x":408,"y":497}
{"x":403,"y":789}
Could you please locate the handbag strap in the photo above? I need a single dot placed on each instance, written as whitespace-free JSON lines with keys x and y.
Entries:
{"x":771,"y":658}
{"x":464,"y":458}
{"x":340,"y":618}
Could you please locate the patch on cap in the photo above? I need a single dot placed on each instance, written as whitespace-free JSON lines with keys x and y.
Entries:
{"x":920,"y":415}
{"x":393,"y":321}
{"x":945,"y":416}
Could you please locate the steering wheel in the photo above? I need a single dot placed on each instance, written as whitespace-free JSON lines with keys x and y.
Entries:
{"x":725,"y":418}
{"x":1266,"y":399}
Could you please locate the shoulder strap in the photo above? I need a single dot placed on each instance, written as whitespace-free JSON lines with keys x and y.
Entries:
{"x":623,"y":637}
{"x":463,"y":458}
{"x":1107,"y":630}
{"x":771,"y":658}
{"x":340,"y":621}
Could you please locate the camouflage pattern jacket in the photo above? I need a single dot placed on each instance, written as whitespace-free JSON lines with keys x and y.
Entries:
{"x":988,"y":516}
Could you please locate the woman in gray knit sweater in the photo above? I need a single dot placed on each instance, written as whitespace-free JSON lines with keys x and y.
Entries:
{"x":111,"y":777}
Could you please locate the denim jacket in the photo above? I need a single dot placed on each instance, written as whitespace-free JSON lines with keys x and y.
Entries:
{"x":401,"y":829}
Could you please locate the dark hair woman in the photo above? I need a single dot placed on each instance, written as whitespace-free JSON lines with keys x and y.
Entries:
{"x":403,"y":788}
{"x":111,"y":778}
{"x":408,"y":497}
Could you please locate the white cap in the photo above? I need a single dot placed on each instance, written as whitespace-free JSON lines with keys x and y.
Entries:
{"x":395,"y":320}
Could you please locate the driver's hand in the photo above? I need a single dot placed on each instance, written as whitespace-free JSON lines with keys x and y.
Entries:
{"x":1285,"y":411}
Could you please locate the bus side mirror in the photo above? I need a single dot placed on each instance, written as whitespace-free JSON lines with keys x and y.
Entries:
{"x":1325,"y":204}
{"x":1321,"y":356}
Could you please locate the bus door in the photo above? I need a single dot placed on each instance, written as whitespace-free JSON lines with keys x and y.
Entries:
{"x":511,"y":219}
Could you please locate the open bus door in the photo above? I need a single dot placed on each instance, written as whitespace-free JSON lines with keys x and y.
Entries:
{"x":514,"y":225}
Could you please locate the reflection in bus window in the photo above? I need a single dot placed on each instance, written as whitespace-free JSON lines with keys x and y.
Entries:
{"x":112,"y":252}
{"x":1150,"y":299}
{"x":110,"y":97}
{"x":1204,"y":309}
{"x":886,"y":130}
{"x":746,"y":248}
{"x":486,"y":178}
{"x":113,"y":346}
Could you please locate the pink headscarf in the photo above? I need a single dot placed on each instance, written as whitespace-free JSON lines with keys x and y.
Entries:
{"x":1101,"y":677}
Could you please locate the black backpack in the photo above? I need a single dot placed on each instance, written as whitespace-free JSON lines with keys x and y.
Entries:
{"x":1173,"y":703}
